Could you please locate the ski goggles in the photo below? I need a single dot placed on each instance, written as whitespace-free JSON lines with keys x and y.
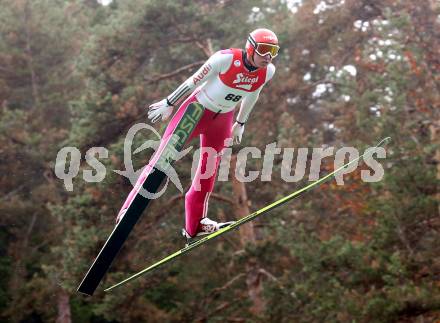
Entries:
{"x":263,"y":49}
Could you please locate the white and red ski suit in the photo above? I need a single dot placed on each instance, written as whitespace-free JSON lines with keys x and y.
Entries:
{"x":225,"y":79}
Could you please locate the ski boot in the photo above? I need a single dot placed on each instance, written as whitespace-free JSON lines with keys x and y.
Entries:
{"x":206,"y":226}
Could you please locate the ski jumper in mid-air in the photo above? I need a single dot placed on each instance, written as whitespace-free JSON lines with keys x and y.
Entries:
{"x":228,"y":77}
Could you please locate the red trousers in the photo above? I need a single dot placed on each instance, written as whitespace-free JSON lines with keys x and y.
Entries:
{"x":213,"y":128}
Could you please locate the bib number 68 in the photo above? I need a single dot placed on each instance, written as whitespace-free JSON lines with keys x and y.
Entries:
{"x":232,"y":97}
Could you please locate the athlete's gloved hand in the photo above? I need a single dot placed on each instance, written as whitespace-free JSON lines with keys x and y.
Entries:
{"x":158,"y":110}
{"x":237,"y":132}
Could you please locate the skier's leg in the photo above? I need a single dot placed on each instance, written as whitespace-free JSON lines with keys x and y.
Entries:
{"x":165,"y":138}
{"x":196,"y":199}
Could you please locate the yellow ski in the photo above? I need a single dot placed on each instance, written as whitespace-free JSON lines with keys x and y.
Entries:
{"x":241,"y":221}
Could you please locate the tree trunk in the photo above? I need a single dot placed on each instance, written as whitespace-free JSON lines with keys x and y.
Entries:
{"x":247,"y":235}
{"x":241,"y":206}
{"x":29,"y":54}
{"x":64,"y":315}
{"x":434,"y":130}
{"x":21,"y":253}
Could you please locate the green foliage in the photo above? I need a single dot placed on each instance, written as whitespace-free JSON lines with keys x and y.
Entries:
{"x":165,"y":297}
{"x":338,"y":280}
{"x":76,"y":73}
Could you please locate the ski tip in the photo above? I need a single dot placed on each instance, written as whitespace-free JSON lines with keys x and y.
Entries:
{"x":86,"y":293}
{"x":86,"y":288}
{"x":384,"y":141}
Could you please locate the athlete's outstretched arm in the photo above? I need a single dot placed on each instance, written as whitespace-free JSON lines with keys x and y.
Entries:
{"x":213,"y":66}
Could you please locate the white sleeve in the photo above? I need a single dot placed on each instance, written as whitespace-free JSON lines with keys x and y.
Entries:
{"x":270,"y":72}
{"x":249,"y":101}
{"x":247,"y":105}
{"x":216,"y":64}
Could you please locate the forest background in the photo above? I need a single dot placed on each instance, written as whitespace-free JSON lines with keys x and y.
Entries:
{"x":77,"y":73}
